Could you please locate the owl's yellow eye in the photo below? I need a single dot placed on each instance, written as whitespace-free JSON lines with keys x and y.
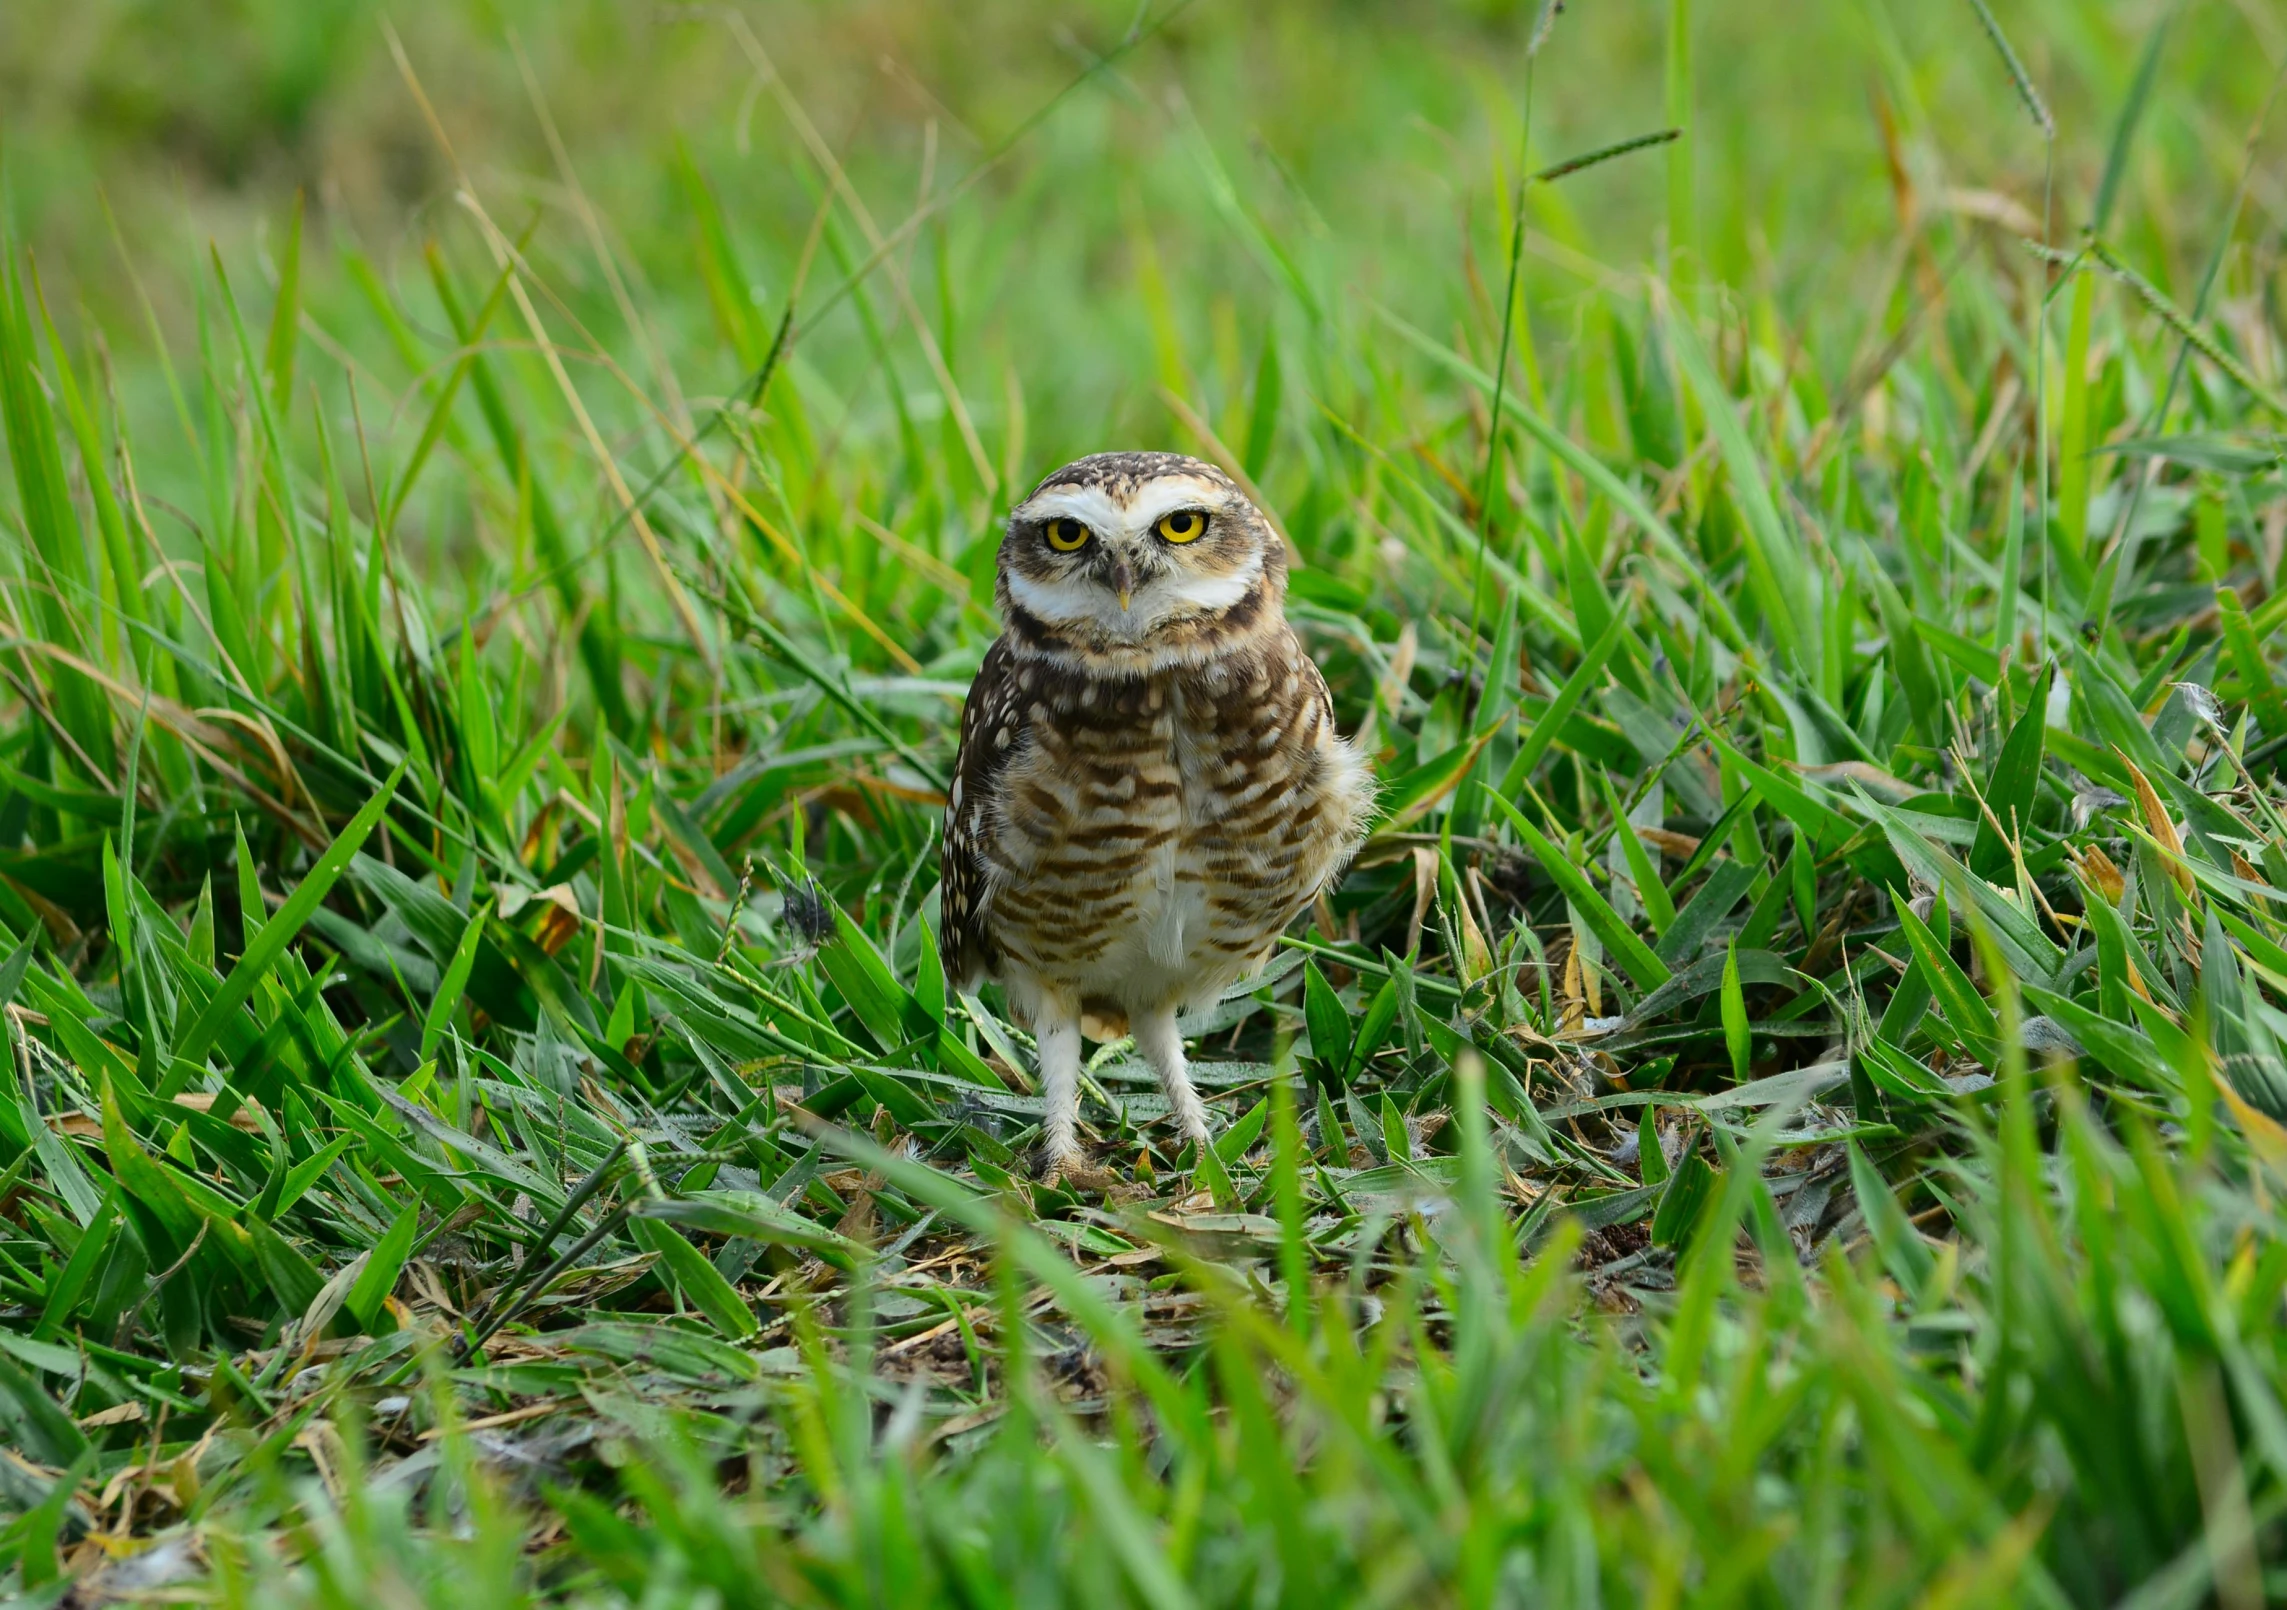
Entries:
{"x":1184,"y":525}
{"x":1066,"y":536}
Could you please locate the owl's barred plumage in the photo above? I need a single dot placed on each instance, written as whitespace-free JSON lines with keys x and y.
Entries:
{"x":1150,"y":786}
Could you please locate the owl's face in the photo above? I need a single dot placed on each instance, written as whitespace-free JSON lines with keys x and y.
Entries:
{"x":1128,"y":551}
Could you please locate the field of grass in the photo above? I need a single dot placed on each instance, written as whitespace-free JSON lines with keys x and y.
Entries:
{"x":1789,"y":1108}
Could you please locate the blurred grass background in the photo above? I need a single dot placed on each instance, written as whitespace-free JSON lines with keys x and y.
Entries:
{"x":1371,"y":141}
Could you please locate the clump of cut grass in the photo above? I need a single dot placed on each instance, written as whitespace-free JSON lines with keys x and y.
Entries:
{"x":1789,"y":1106}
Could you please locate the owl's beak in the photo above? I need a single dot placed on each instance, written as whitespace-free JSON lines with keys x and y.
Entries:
{"x":1124,"y":583}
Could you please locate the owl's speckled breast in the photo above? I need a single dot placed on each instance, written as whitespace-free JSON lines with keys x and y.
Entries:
{"x":1157,"y":832}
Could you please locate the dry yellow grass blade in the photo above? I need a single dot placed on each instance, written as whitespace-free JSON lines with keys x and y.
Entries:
{"x":2162,"y":829}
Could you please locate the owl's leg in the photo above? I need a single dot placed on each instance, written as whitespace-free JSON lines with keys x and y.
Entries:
{"x":1058,"y":1033}
{"x":1162,"y":1046}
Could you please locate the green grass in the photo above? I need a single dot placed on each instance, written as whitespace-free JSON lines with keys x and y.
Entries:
{"x":1789,"y":1109}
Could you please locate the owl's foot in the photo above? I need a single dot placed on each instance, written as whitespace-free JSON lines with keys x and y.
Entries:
{"x":1194,"y":1135}
{"x":1072,"y":1171}
{"x":1162,"y":1046}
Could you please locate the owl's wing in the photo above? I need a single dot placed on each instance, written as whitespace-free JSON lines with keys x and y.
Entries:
{"x":1317,"y":680}
{"x":989,"y":721}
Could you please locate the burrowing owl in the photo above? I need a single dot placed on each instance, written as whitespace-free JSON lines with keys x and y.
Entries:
{"x":1150,"y":786}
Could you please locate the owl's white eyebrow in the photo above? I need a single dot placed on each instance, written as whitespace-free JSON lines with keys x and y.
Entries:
{"x":1166,"y":496}
{"x":1086,"y":504}
{"x":1092,"y":508}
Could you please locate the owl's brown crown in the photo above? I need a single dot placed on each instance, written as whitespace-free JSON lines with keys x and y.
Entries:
{"x":1124,"y":474}
{"x":1136,"y":562}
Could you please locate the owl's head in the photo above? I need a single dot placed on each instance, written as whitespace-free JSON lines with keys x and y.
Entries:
{"x":1139,"y":556}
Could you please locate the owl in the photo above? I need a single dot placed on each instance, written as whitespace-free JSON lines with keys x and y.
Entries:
{"x":1150,"y":786}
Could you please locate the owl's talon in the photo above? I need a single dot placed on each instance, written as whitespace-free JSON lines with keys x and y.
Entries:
{"x":1073,"y":1172}
{"x":1192,"y":1134}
